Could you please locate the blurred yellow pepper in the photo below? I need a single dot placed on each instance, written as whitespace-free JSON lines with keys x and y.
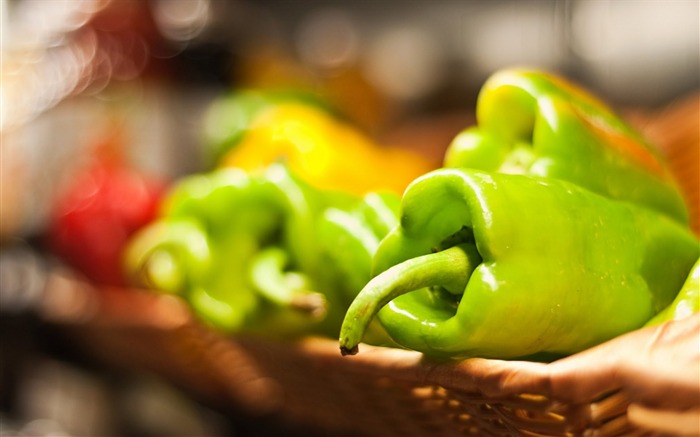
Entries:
{"x":325,"y":151}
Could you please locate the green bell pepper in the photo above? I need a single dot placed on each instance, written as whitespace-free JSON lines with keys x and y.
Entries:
{"x":261,"y":270}
{"x":687,"y":301}
{"x":350,"y":237}
{"x":504,"y":266}
{"x":534,"y":123}
{"x":264,"y":253}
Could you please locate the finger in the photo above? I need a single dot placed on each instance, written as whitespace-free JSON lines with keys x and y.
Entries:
{"x":681,"y":423}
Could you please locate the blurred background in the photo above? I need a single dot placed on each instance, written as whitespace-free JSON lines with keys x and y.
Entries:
{"x":135,"y":78}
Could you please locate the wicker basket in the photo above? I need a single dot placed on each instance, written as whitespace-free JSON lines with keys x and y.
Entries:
{"x":381,"y":391}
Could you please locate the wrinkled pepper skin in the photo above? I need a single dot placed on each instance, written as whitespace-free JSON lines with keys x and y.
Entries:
{"x":534,"y":123}
{"x":686,"y":303}
{"x":525,"y":265}
{"x":257,"y":268}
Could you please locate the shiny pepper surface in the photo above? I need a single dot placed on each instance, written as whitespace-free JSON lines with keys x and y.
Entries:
{"x":534,"y":123}
{"x":686,"y":303}
{"x":349,"y":238}
{"x":497,"y":265}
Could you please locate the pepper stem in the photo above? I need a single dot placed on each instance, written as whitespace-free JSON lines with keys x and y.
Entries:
{"x":289,"y":289}
{"x":450,"y":268}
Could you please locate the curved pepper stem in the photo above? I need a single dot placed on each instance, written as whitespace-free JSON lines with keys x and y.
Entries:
{"x":284,"y":288}
{"x":450,"y":268}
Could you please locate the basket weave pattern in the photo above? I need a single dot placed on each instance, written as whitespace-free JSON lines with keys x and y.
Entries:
{"x":380,"y":392}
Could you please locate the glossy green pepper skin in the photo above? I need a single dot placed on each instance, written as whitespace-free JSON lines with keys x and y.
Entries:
{"x":497,"y":265}
{"x":530,"y":122}
{"x":349,"y":238}
{"x":261,"y":270}
{"x":686,"y":303}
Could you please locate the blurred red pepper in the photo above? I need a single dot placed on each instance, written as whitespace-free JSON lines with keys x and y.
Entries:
{"x":93,"y":218}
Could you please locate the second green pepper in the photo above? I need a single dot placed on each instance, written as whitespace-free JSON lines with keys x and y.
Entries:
{"x":534,"y":123}
{"x":261,"y":270}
